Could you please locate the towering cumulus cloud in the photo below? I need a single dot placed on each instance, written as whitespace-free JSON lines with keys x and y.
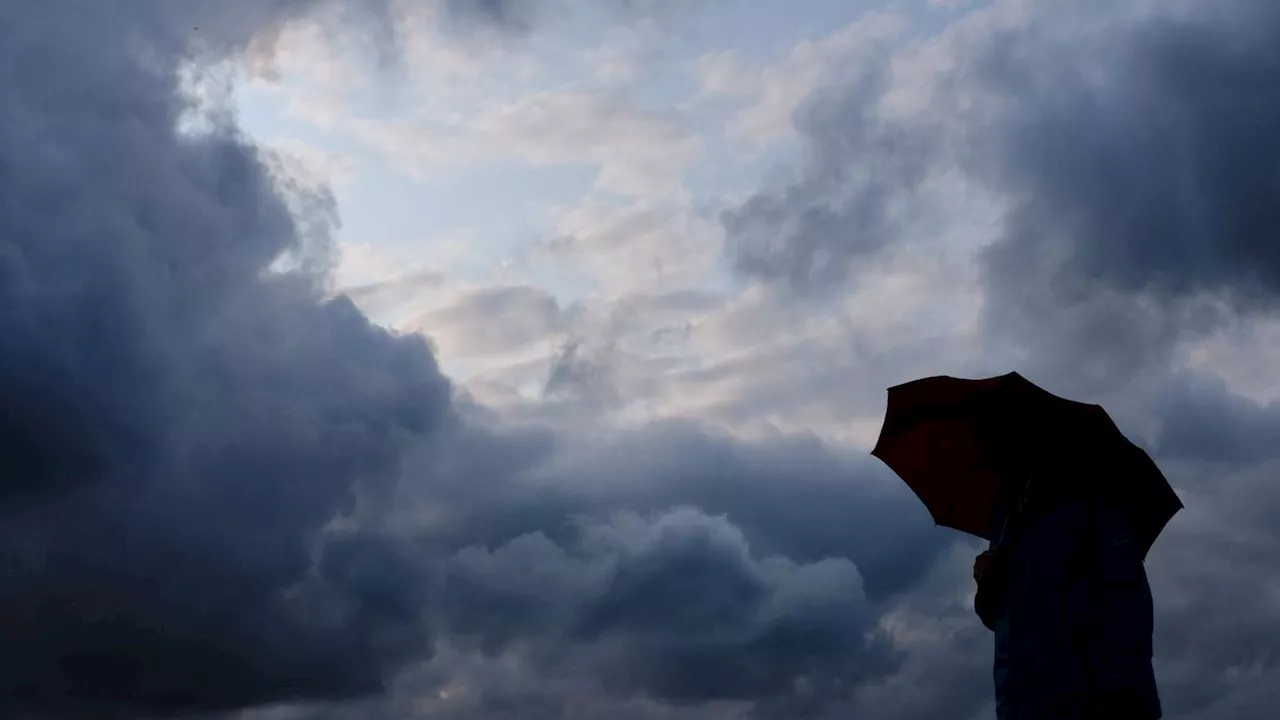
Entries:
{"x":186,"y":428}
{"x":179,"y":422}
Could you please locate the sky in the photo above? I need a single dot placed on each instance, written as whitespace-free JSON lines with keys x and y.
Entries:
{"x":484,"y":359}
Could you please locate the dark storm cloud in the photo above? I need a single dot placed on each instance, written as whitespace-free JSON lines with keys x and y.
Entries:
{"x":764,"y":587}
{"x":195,"y":448}
{"x":1215,"y":592}
{"x":1143,"y":182}
{"x":695,"y":617}
{"x":1206,"y":421}
{"x":1137,"y":158}
{"x":180,"y":423}
{"x":1160,"y":173}
{"x":677,"y":606}
{"x":795,"y":497}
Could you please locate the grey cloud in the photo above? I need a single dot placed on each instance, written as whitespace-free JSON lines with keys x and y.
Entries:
{"x":510,"y":15}
{"x":666,"y":563}
{"x":1206,"y":421}
{"x":795,"y":496}
{"x":588,"y":370}
{"x":181,"y":423}
{"x":1130,"y":147}
{"x":566,"y":550}
{"x":699,"y":618}
{"x":582,"y":376}
{"x":493,"y":320}
{"x":847,"y":203}
{"x":1138,"y":178}
{"x":522,"y":16}
{"x":394,"y":289}
{"x":1217,"y":636}
{"x":1157,"y":176}
{"x":677,"y":606}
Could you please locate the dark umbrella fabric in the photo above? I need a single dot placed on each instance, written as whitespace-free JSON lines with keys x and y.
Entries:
{"x":953,"y":439}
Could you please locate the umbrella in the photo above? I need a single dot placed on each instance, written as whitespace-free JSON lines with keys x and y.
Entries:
{"x":954,"y":440}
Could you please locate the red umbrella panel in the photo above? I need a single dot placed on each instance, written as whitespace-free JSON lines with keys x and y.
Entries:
{"x":941,"y":463}
{"x":954,"y":440}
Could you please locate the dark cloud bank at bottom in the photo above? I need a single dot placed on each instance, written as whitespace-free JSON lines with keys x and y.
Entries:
{"x":183,"y":431}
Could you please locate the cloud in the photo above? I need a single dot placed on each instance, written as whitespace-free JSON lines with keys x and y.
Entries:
{"x":635,"y":151}
{"x":181,"y":421}
{"x":507,"y":14}
{"x":492,"y":321}
{"x":761,"y":363}
{"x":1208,"y":422}
{"x":520,"y":15}
{"x":1124,"y":146}
{"x":776,"y":91}
{"x":762,"y":564}
{"x":877,"y":170}
{"x":641,"y":246}
{"x":676,"y":606}
{"x":638,"y":151}
{"x":1153,"y":196}
{"x":835,"y":505}
{"x":1215,"y":624}
{"x":577,"y":376}
{"x":851,"y":201}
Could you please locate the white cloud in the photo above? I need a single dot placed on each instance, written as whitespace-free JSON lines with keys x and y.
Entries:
{"x":626,"y":54}
{"x":311,"y":68}
{"x":775,"y":91}
{"x":638,"y":151}
{"x":721,"y":73}
{"x":642,"y":245}
{"x":421,"y":149}
{"x":489,"y":323}
{"x":314,"y":165}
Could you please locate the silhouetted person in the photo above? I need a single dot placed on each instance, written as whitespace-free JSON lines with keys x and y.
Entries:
{"x":1064,"y":590}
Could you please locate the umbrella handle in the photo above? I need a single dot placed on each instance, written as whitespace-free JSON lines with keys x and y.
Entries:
{"x":1017,"y":508}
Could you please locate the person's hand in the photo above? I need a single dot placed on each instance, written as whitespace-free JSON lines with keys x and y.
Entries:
{"x":982,"y":564}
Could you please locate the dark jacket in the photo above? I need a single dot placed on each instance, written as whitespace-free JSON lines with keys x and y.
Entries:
{"x":1071,"y":611}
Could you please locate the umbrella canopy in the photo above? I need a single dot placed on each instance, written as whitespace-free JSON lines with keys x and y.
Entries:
{"x":954,"y":441}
